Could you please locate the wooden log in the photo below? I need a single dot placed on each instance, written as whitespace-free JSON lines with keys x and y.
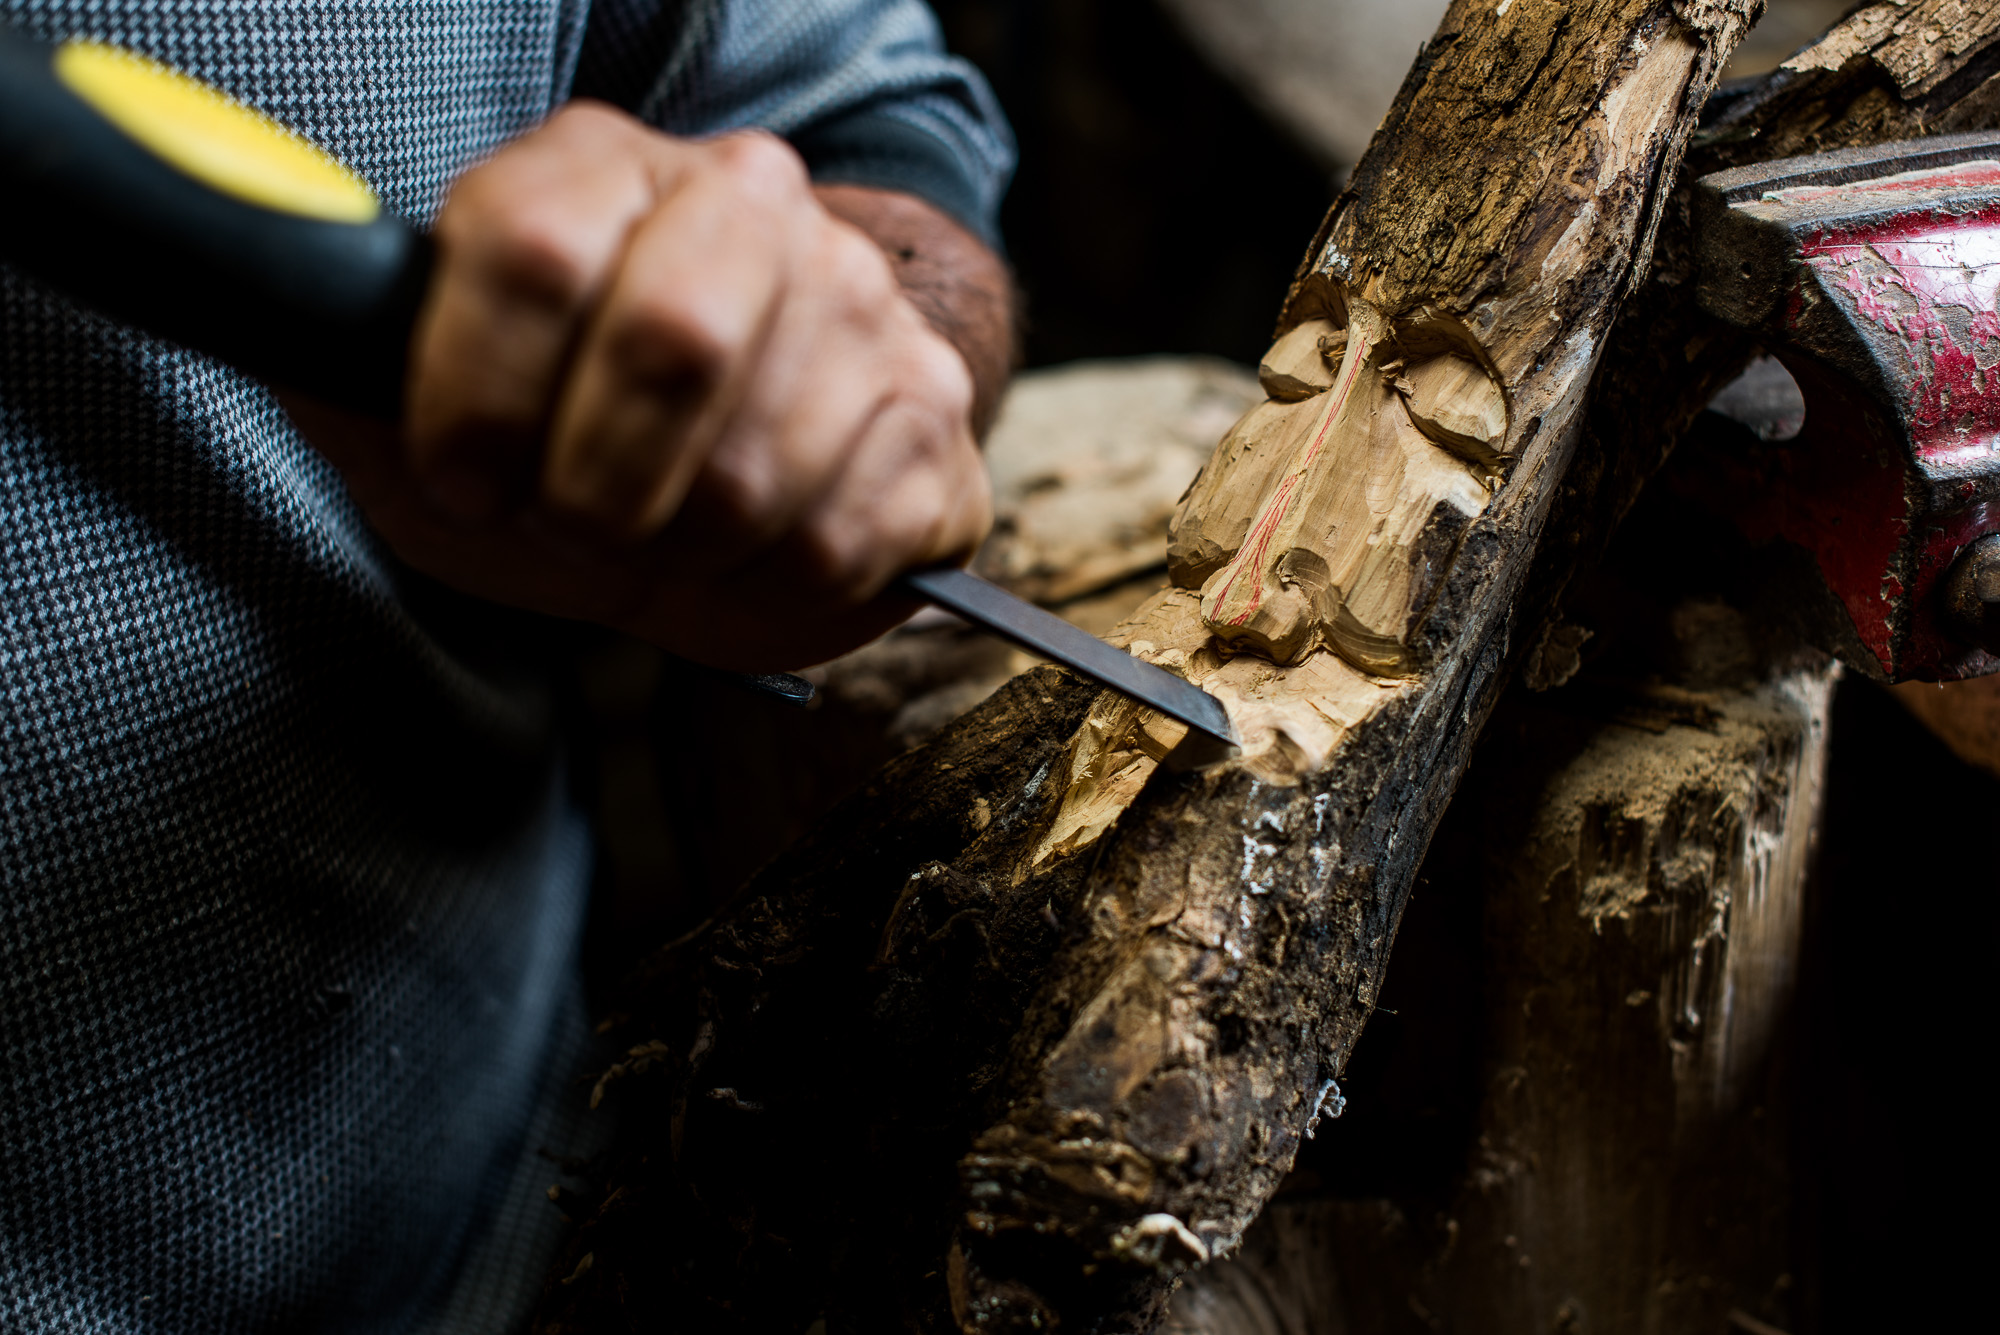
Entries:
{"x":1029,"y":1028}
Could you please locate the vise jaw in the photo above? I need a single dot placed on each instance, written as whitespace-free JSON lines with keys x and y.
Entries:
{"x":1872,"y":274}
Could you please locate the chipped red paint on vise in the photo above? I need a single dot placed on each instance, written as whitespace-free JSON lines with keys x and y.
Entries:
{"x":1930,"y":278}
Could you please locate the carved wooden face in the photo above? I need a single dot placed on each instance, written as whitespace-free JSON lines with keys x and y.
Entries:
{"x":1327,"y":515}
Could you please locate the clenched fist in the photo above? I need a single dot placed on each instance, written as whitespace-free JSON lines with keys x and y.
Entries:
{"x":658,"y":385}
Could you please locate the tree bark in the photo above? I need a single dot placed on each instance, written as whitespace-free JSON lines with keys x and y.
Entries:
{"x":1029,"y":1027}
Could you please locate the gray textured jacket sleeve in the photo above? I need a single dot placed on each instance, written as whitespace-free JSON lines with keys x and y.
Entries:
{"x":863,"y":88}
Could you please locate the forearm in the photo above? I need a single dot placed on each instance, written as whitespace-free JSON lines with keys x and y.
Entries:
{"x":948,"y":274}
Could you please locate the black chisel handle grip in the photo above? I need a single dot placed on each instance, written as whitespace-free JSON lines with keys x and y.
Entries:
{"x":158,"y":201}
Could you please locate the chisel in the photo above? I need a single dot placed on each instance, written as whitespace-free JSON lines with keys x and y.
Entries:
{"x":157,"y":199}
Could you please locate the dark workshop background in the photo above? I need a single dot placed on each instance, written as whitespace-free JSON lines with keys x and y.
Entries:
{"x":1155,"y":210}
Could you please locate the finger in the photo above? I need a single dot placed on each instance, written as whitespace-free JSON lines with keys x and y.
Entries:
{"x":914,"y":495}
{"x":842,"y":350}
{"x":526,"y":242}
{"x":674,"y":347}
{"x":781,"y":612}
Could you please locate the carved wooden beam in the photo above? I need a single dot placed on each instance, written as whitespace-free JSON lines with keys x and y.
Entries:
{"x":1230,"y":931}
{"x":1029,"y":1027}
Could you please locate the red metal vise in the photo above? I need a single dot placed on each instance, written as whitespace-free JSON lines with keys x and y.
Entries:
{"x":1872,"y":275}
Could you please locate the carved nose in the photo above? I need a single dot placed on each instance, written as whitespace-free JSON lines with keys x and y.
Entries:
{"x":1273,"y":616}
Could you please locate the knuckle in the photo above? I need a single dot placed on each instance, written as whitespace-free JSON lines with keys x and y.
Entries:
{"x":857,"y":268}
{"x":659,"y":340}
{"x":742,"y":494}
{"x":590,"y":118}
{"x":762,"y":165}
{"x":943,"y":378}
{"x":533,"y":254}
{"x":937,"y":436}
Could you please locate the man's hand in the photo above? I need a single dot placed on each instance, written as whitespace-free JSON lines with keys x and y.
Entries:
{"x":658,"y":385}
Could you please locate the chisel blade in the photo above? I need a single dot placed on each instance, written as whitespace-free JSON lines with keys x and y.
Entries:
{"x":992,"y":608}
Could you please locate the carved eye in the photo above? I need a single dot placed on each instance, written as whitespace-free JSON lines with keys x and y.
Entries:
{"x":1455,"y":402}
{"x":1302,"y":362}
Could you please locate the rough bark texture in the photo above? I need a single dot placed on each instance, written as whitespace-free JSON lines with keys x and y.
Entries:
{"x":933,"y":1069}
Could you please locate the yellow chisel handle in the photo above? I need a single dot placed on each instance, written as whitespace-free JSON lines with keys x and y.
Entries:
{"x":158,"y":200}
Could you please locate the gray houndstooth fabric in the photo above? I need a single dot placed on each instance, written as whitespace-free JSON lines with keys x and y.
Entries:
{"x":290,"y":879}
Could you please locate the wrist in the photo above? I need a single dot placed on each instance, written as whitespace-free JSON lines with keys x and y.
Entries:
{"x":953,"y":279}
